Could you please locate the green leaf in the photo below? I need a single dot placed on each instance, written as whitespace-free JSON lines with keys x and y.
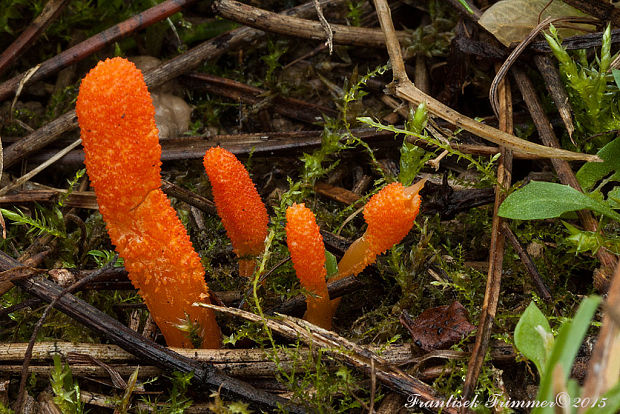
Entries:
{"x":613,"y":197}
{"x":616,"y":74}
{"x":565,"y":350}
{"x":464,"y":4}
{"x":533,"y":337}
{"x":593,"y":172}
{"x":331,"y":264}
{"x":412,"y":159}
{"x":541,"y":200}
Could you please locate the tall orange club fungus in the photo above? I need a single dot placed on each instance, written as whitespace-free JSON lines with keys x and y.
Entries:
{"x":390,"y":215}
{"x":120,"y":139}
{"x":305,"y":244}
{"x":238,"y":204}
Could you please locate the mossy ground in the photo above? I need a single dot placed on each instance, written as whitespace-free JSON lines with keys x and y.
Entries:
{"x":399,"y":281}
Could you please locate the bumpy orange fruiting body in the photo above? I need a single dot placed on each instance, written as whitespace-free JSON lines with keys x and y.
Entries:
{"x":239,"y":206}
{"x":122,"y":152}
{"x":390,"y":215}
{"x":305,"y":244}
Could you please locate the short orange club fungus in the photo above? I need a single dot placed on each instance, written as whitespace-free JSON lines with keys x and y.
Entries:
{"x":305,"y":244}
{"x":120,"y":139}
{"x":239,"y":206}
{"x":390,"y":215}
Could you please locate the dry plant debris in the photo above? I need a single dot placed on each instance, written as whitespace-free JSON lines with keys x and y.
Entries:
{"x":311,"y":126}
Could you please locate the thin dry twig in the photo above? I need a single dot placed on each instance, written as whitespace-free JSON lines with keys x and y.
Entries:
{"x":292,"y":26}
{"x":26,"y":177}
{"x":403,"y":88}
{"x":603,"y":369}
{"x":342,"y":349}
{"x":51,"y":10}
{"x":27,"y":76}
{"x":496,"y":253}
{"x":326,"y":26}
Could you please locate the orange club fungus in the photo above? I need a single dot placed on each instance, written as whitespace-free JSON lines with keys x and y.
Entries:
{"x":122,"y":151}
{"x":305,"y":244}
{"x":390,"y":215}
{"x":238,"y":204}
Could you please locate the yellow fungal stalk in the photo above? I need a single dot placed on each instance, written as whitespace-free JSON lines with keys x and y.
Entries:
{"x":120,"y":139}
{"x":305,"y":244}
{"x":239,"y":206}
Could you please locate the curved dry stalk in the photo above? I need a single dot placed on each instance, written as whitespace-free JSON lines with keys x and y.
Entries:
{"x":300,"y":27}
{"x":403,"y":88}
{"x":409,"y":92}
{"x":512,"y":58}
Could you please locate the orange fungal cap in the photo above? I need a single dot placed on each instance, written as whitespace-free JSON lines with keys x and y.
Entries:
{"x":390,"y":215}
{"x":305,"y":244}
{"x":120,"y":138}
{"x":239,"y":205}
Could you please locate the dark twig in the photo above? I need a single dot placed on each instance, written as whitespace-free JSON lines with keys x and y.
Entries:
{"x":297,"y":305}
{"x":566,"y":175}
{"x":210,"y":49}
{"x":585,"y":41}
{"x":205,"y":375}
{"x":496,"y":252}
{"x":97,"y":42}
{"x":39,"y":324}
{"x":49,"y":13}
{"x":28,"y":303}
{"x":73,"y":218}
{"x":601,"y":10}
{"x":556,"y":89}
{"x":184,"y":148}
{"x":191,"y":198}
{"x":292,"y":108}
{"x":527,"y":261}
{"x":263,"y":277}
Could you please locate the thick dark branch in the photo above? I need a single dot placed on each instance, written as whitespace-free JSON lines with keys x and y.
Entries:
{"x":205,"y":374}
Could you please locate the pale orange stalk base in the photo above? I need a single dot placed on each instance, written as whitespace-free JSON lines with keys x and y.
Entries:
{"x":305,"y":244}
{"x":246,"y":267}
